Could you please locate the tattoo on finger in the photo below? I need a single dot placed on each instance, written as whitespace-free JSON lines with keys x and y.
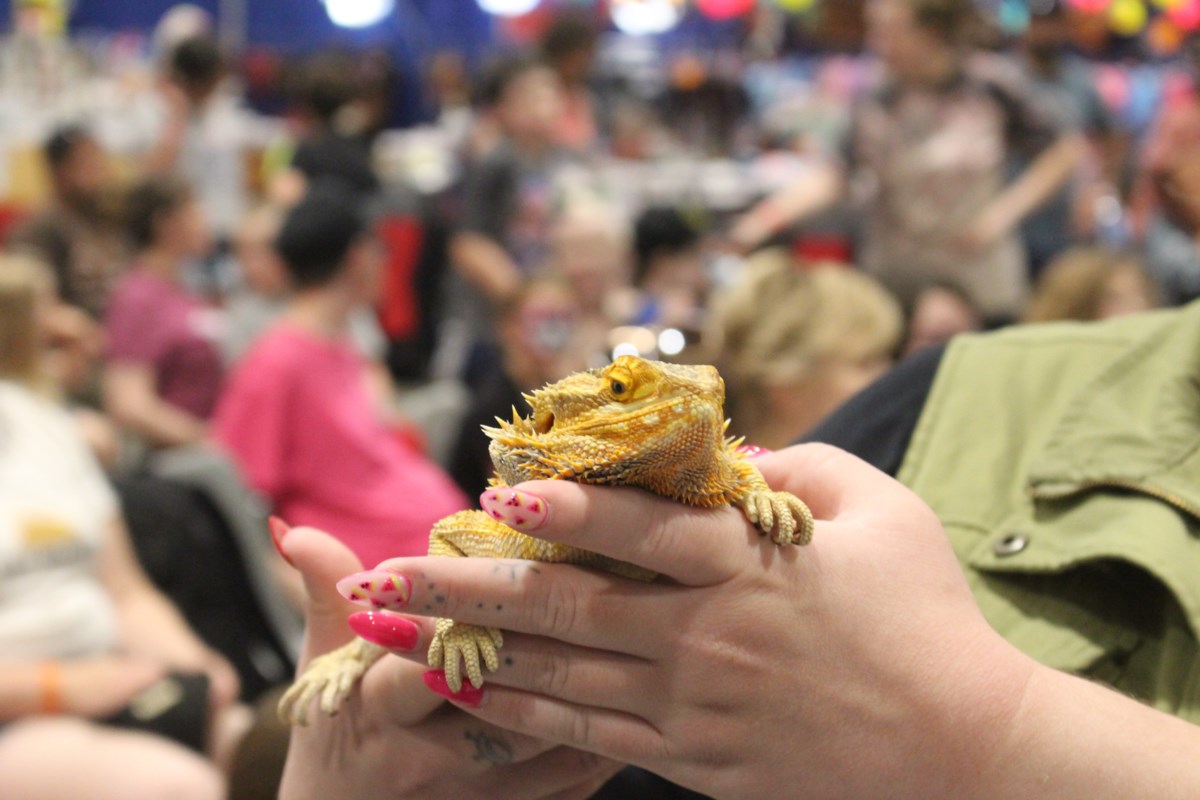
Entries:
{"x":490,"y":749}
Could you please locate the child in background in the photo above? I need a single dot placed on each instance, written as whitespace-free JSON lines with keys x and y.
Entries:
{"x":826,"y":333}
{"x":298,"y":415}
{"x":1087,"y":283}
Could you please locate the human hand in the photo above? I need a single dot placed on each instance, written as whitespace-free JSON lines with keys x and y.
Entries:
{"x":983,"y":233}
{"x":858,"y":666}
{"x":394,"y":738}
{"x":102,"y":686}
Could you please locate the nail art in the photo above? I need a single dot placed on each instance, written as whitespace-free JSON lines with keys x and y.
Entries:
{"x":385,"y":630}
{"x":279,"y":529}
{"x":521,"y":510}
{"x":754,"y":451}
{"x":435,"y":679}
{"x":376,"y":588}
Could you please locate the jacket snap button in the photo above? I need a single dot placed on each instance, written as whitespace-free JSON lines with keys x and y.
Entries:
{"x":1011,"y":545}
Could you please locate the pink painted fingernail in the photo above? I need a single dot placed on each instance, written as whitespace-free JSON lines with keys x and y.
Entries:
{"x":385,"y":630}
{"x":521,"y":510}
{"x":279,"y":529}
{"x":468,"y":695}
{"x":753,"y":451}
{"x":376,"y":588}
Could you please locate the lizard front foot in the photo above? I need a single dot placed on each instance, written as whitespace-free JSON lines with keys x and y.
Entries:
{"x":331,"y":676}
{"x":455,"y":645}
{"x":781,"y":515}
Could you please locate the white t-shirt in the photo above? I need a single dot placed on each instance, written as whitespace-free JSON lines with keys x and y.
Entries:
{"x":55,"y":507}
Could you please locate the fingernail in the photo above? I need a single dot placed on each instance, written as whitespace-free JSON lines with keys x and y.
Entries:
{"x":394,"y":633}
{"x":435,"y":679}
{"x":376,"y":588}
{"x":753,"y":451}
{"x":279,"y":529}
{"x":521,"y":510}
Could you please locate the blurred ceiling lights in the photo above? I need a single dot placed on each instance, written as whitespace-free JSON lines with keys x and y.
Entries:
{"x":646,"y":17}
{"x":358,"y":13}
{"x":508,"y":8}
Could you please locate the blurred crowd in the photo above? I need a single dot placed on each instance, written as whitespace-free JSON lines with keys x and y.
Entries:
{"x":325,"y":333}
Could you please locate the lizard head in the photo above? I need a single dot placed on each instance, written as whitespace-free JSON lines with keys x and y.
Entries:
{"x":593,"y":416}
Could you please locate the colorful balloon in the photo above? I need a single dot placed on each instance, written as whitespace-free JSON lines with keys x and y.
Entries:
{"x":724,"y":9}
{"x":1127,"y":17}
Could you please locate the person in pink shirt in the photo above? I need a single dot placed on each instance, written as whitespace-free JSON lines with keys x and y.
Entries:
{"x":298,"y":416}
{"x":163,"y":370}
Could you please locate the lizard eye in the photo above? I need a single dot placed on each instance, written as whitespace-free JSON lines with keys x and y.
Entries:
{"x":617,"y":388}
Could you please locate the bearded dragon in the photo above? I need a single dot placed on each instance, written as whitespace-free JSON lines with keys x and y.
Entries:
{"x":647,"y":424}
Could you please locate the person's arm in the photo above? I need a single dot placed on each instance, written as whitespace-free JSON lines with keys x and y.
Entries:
{"x":1042,"y":178}
{"x":816,"y":192}
{"x":89,"y":687}
{"x":859,"y":666}
{"x":150,"y":626}
{"x":485,"y":264}
{"x":164,"y":155}
{"x":130,"y":398}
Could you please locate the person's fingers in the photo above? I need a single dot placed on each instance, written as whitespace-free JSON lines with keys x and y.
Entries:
{"x":618,"y":735}
{"x":321,"y":560}
{"x":584,"y":607}
{"x":559,"y":774}
{"x":833,"y":483}
{"x":695,"y":546}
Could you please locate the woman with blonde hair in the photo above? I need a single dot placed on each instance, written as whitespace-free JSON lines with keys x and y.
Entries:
{"x":795,"y":340}
{"x":103,"y":687}
{"x":1089,"y":283}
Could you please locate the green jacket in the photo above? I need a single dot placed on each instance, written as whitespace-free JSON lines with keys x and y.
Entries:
{"x":1064,"y":462}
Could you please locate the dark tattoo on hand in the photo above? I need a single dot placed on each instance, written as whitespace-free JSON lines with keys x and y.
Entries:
{"x":490,"y":749}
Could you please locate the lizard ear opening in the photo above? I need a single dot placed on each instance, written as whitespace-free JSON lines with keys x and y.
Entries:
{"x":543,"y":421}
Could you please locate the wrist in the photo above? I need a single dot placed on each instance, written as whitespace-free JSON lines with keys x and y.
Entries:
{"x":50,"y":688}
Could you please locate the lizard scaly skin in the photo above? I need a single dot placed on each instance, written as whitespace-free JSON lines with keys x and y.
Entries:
{"x":646,"y":424}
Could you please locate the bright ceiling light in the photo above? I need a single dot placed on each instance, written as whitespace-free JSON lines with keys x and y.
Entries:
{"x":645,"y":17}
{"x":508,"y":8}
{"x":358,"y":13}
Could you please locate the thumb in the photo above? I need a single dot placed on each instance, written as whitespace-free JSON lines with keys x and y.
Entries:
{"x":322,"y":561}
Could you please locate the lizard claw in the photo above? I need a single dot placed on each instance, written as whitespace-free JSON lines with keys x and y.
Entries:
{"x":330,"y":677}
{"x":456,"y":645}
{"x":781,"y":515}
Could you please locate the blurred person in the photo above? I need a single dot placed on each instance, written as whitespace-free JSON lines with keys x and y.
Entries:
{"x":263,"y":282}
{"x":163,"y":372}
{"x":1167,"y":197}
{"x":1067,"y":87}
{"x":104,"y":690}
{"x":298,"y":414}
{"x":569,"y":48}
{"x":333,"y":144}
{"x":928,"y":149}
{"x":78,"y":233}
{"x":538,"y":334}
{"x":204,"y":132}
{"x":669,"y":270}
{"x":590,"y":250}
{"x":1090,"y":283}
{"x":938,"y":312}
{"x":826,"y":333}
{"x":510,"y":194}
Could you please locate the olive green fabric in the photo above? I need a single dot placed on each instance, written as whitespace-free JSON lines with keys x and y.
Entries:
{"x":1064,"y":462}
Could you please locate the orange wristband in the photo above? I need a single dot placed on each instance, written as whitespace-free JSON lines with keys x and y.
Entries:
{"x":50,"y":684}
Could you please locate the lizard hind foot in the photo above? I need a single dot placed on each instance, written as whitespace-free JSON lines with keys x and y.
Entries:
{"x":781,"y":515}
{"x":456,"y":646}
{"x":330,"y":678}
